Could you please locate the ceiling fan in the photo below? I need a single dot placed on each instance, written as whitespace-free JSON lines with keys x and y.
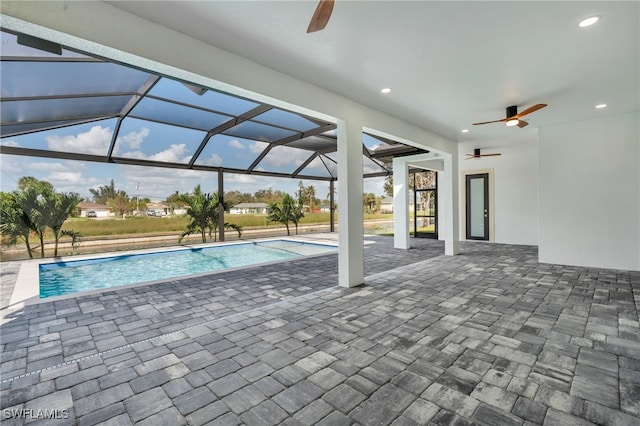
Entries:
{"x":476,"y":154}
{"x":513,"y":118}
{"x":321,"y":16}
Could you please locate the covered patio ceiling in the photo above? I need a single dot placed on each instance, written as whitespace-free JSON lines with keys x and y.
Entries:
{"x":61,"y":103}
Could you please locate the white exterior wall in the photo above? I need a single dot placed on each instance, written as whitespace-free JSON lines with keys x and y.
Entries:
{"x":590,"y":193}
{"x":515,"y":180}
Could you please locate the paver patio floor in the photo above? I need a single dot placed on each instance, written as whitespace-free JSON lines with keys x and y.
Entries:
{"x":489,"y":337}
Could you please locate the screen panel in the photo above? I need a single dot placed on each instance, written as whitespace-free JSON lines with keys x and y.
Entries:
{"x":282,"y":159}
{"x":210,"y":99}
{"x":156,"y":142}
{"x":180,"y":115}
{"x":231,"y":152}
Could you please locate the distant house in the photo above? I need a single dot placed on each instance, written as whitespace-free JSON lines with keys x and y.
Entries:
{"x":250,"y":208}
{"x":97,"y":210}
{"x":180,"y":210}
{"x":386,"y":206}
{"x":157,"y":209}
{"x":325,"y":207}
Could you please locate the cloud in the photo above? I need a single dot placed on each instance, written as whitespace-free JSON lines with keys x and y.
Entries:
{"x":72,"y":181}
{"x":282,"y":157}
{"x":9,"y":143}
{"x":55,"y":166}
{"x":134,"y":139}
{"x":95,"y":141}
{"x":374,"y":185}
{"x":369,"y":166}
{"x":257,"y":147}
{"x":235,"y":178}
{"x":236,"y":144}
{"x":66,"y":178}
{"x":174,"y":154}
{"x":214,"y":160}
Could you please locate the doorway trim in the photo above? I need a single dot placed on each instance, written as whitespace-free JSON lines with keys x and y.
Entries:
{"x":463,"y":203}
{"x":416,"y":234}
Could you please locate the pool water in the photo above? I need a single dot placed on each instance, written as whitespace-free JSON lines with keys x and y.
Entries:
{"x":62,"y":278}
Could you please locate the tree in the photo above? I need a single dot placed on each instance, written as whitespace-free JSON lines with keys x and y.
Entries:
{"x":268,"y":195}
{"x":120,"y":203}
{"x":285,"y":212}
{"x":61,"y":206}
{"x":370,"y":202}
{"x":200,"y":209}
{"x":34,"y":208}
{"x":104,"y":193}
{"x":280,"y":212}
{"x":311,"y":195}
{"x":203,"y":209}
{"x":33,"y":201}
{"x":174,"y":201}
{"x":215,"y":222}
{"x":29,"y":181}
{"x":388,"y":186}
{"x":14,"y":222}
{"x":237,"y":197}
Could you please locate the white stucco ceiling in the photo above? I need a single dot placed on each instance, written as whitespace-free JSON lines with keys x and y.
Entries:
{"x":449,"y":64}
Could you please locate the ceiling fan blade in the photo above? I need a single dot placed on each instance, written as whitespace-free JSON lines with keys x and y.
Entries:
{"x":522,"y":123}
{"x":489,"y":122}
{"x":321,"y":16}
{"x":470,"y":156}
{"x":530,"y":110}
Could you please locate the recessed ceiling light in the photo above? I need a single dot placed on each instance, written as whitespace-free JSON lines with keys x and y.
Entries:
{"x":386,"y":90}
{"x":465,"y":130}
{"x":601,"y":106}
{"x":589,"y":21}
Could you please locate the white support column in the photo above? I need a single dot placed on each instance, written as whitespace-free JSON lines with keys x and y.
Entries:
{"x":400,"y":204}
{"x":350,"y":210}
{"x":450,"y":185}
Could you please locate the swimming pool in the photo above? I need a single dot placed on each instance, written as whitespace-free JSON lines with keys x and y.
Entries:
{"x":62,"y":278}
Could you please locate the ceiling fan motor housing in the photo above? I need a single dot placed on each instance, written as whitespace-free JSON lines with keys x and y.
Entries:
{"x":476,"y":152}
{"x":512,"y":110}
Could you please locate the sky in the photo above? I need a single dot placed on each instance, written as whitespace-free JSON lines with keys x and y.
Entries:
{"x":147,"y":140}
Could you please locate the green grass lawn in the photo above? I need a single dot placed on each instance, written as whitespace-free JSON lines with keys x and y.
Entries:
{"x":144,"y":225}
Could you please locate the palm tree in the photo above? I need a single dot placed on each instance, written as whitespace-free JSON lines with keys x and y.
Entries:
{"x":214,"y":223}
{"x":281,"y":212}
{"x":369,"y":201}
{"x":61,"y":206}
{"x":297,"y":212}
{"x":286,"y":211}
{"x":311,"y":193}
{"x":14,"y":222}
{"x":202,"y":207}
{"x":33,"y":202}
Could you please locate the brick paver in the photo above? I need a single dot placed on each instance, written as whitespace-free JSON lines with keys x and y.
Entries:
{"x":487,"y":337}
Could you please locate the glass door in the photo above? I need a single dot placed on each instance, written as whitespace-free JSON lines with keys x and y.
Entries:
{"x":425,"y":202}
{"x":477,"y":209}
